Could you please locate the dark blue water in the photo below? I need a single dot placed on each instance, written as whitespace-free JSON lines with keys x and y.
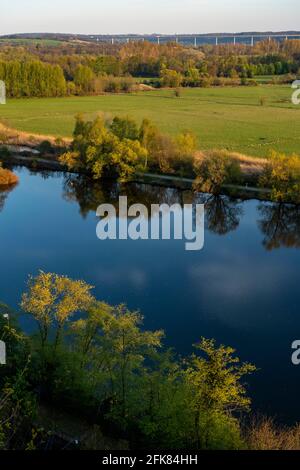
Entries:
{"x":243,"y":288}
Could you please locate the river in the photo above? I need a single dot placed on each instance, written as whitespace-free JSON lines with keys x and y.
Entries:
{"x":243,"y":288}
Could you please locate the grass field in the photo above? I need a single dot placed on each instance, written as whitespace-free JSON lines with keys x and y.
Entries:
{"x":33,"y":42}
{"x":230,"y":118}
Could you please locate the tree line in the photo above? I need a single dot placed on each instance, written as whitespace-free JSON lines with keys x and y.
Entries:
{"x":120,"y":148}
{"x":69,"y":69}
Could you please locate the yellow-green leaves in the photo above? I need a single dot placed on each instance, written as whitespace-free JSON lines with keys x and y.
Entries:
{"x":53,"y":299}
{"x":282,"y":176}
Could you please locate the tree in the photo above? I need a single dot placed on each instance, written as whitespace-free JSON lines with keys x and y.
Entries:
{"x":112,"y":339}
{"x":32,"y":78}
{"x":17,"y":402}
{"x":171,"y":78}
{"x":215,"y":170}
{"x":282,"y":175}
{"x":83,"y":79}
{"x":192,"y":77}
{"x":215,"y":379}
{"x":160,"y":147}
{"x":125,"y":128}
{"x":52,"y":300}
{"x":97,"y":149}
{"x":186,"y":145}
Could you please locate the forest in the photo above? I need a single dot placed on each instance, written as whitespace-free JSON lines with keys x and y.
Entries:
{"x":81,"y":69}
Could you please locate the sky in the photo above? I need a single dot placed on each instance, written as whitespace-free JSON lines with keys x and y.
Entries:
{"x":141,"y":16}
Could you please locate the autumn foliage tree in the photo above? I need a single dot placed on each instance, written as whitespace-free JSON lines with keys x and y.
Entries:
{"x":53,"y":300}
{"x":282,"y":175}
{"x":215,"y":170}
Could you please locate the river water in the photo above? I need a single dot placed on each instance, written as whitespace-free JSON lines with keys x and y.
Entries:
{"x":243,"y":288}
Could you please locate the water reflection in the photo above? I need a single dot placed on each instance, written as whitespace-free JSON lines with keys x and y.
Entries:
{"x":90,"y":194}
{"x":222,"y":213}
{"x":4,"y":192}
{"x":280,"y":225}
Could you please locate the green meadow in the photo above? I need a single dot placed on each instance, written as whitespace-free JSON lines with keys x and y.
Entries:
{"x":32,"y":42}
{"x":231,"y":118}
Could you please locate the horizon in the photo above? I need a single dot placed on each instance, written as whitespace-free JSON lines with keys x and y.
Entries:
{"x":156,"y":33}
{"x":137,"y":16}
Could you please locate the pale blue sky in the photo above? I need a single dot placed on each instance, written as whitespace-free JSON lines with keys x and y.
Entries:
{"x":141,"y":16}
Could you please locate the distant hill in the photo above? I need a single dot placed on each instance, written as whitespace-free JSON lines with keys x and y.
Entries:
{"x":72,"y":36}
{"x":185,"y":39}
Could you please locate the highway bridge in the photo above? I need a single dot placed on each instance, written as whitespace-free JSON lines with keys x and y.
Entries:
{"x":196,"y":39}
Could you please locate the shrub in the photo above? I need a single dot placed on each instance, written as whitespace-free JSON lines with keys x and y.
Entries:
{"x":7,"y":177}
{"x":171,"y":78}
{"x":4,"y":152}
{"x":282,"y":175}
{"x":102,"y":152}
{"x":265,"y":435}
{"x":215,"y":170}
{"x":262,"y":100}
{"x":125,"y":128}
{"x":46,"y":147}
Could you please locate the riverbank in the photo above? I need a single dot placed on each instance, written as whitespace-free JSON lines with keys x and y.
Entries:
{"x":41,"y":152}
{"x":30,"y":159}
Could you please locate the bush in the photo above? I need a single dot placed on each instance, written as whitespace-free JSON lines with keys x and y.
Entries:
{"x":215,"y":170}
{"x":263,"y":101}
{"x":265,"y":435}
{"x":46,"y":147}
{"x":5,"y":152}
{"x":171,"y":78}
{"x":106,"y":152}
{"x":282,"y":175}
{"x":7,"y":177}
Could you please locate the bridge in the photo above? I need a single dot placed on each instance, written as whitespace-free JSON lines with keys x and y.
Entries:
{"x":196,"y":40}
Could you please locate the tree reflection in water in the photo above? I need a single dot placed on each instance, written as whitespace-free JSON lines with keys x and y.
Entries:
{"x":90,"y":194}
{"x":280,"y":224}
{"x":4,"y":192}
{"x":222,"y":213}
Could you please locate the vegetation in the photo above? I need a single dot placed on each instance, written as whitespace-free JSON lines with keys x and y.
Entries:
{"x":215,"y":170}
{"x":61,"y":68}
{"x":282,"y":175}
{"x":104,"y":362}
{"x":264,"y":434}
{"x":7,"y":177}
{"x":121,"y":148}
